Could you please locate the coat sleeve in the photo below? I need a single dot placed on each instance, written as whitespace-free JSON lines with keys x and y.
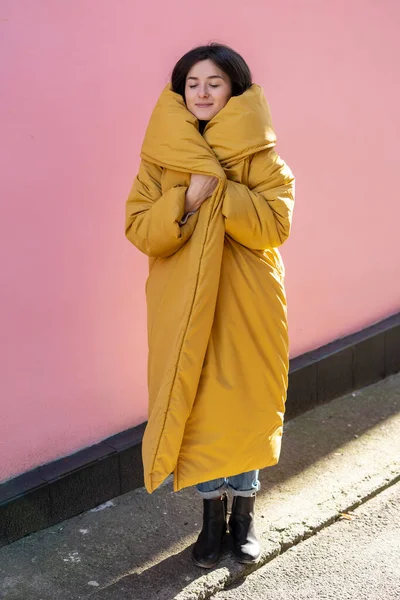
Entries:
{"x":152,"y":218}
{"x":259,"y":215}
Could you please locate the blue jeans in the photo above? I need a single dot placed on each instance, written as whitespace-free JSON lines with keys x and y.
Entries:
{"x":245,"y":484}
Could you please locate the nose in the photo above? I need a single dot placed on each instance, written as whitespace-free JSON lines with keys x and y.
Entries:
{"x":203,"y":92}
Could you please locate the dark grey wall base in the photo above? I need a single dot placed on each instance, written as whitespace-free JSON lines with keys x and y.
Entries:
{"x":346,"y":364}
{"x":68,"y":486}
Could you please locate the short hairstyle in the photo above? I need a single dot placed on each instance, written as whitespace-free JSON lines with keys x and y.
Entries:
{"x":224,"y":57}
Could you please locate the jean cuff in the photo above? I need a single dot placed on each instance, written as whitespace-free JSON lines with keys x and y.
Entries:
{"x":213,"y":494}
{"x":244,"y":493}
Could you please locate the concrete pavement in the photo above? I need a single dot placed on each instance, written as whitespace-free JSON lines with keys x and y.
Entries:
{"x":137,"y":546}
{"x":356,"y":558}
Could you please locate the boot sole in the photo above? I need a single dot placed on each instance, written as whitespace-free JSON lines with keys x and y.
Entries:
{"x":202,"y":566}
{"x":250,"y":561}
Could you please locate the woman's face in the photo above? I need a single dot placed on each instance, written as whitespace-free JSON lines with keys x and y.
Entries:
{"x":207,"y":90}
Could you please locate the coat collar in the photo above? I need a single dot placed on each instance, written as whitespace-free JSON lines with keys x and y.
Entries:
{"x":240,"y":129}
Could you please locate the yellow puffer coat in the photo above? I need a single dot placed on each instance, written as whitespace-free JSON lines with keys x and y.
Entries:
{"x":217,"y":330}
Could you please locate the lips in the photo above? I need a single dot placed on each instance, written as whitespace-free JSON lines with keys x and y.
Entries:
{"x":203,"y":105}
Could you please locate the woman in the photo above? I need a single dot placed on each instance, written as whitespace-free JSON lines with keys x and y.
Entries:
{"x":210,"y":205}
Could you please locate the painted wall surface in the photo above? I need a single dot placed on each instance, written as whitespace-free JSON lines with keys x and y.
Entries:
{"x":79,"y":80}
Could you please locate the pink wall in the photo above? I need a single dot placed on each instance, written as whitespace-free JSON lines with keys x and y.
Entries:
{"x":79,"y":80}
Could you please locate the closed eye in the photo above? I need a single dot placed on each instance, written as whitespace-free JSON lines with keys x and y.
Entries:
{"x":213,"y":86}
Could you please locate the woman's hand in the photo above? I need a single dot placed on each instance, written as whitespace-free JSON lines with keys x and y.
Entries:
{"x":201,"y":187}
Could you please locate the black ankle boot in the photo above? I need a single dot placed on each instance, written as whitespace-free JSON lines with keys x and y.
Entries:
{"x":207,"y":550}
{"x":241,"y":525}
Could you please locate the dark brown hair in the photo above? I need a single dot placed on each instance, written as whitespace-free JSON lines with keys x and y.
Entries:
{"x":229,"y":61}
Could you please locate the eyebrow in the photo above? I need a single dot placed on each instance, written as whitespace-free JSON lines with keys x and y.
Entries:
{"x":210,"y":77}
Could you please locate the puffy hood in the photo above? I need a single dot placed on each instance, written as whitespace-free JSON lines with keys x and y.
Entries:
{"x":240,"y":129}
